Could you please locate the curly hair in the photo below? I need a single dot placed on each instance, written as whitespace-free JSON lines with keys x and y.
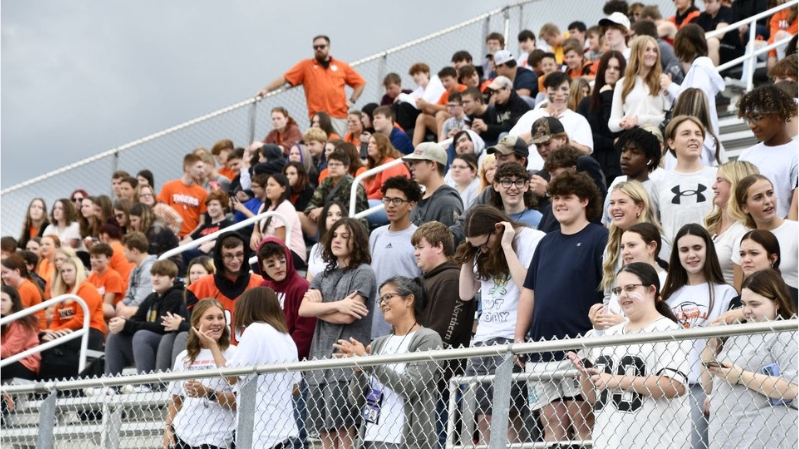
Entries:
{"x":485,"y":220}
{"x":564,"y":156}
{"x":358,"y":240}
{"x":581,"y":185}
{"x":640,"y":138}
{"x":767,"y":100}
{"x":509,"y":171}
{"x":411,"y":189}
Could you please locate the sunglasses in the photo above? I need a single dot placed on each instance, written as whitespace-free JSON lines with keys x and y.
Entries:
{"x":319,"y":47}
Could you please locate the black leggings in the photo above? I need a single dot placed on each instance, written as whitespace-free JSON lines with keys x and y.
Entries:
{"x":17,"y":370}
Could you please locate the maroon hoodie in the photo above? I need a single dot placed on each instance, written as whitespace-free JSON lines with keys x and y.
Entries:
{"x":290,"y":292}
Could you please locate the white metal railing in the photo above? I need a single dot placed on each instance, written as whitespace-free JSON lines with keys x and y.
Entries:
{"x":751,"y":53}
{"x":83,"y":332}
{"x":244,"y":223}
{"x":360,"y":178}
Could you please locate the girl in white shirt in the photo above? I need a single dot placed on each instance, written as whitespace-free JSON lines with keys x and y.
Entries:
{"x":278,"y":199}
{"x":64,"y":223}
{"x":202,"y":412}
{"x":720,"y":223}
{"x":624,"y":399}
{"x":697,"y":294}
{"x":638,"y":101}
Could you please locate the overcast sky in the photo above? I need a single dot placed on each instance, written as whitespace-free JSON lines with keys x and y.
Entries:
{"x":82,"y":77}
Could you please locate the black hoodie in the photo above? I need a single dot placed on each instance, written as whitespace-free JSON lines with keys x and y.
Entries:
{"x":155,"y":306}
{"x":505,"y":115}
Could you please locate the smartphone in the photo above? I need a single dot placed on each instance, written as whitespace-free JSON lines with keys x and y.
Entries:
{"x":711,"y":364}
{"x":773,"y":369}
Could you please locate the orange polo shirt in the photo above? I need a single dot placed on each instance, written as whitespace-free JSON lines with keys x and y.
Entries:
{"x":324,"y":87}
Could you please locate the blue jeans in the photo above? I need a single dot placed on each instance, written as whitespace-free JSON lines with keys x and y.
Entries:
{"x":378,"y":218}
{"x":300,"y":415}
{"x":442,"y":415}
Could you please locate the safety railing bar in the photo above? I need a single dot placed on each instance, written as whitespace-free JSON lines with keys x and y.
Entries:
{"x":366,"y":174}
{"x":438,"y":355}
{"x":244,"y":223}
{"x":751,"y":19}
{"x":83,"y":332}
{"x":370,"y":211}
{"x":751,"y":55}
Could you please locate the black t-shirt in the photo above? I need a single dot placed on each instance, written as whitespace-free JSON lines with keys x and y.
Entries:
{"x":731,"y":45}
{"x":210,"y":228}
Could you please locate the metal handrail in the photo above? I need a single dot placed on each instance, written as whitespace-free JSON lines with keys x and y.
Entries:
{"x":364,"y":175}
{"x":207,"y":238}
{"x":751,"y":19}
{"x":82,"y":332}
{"x":438,"y":355}
{"x":752,"y":55}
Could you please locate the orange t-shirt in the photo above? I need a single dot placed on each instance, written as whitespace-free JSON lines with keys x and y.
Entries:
{"x":324,"y":173}
{"x":188,"y":201}
{"x":582,"y":72}
{"x":69,"y":315}
{"x":779,"y":21}
{"x":324,"y":87}
{"x":355,"y":140}
{"x":374,"y":185}
{"x":444,"y":98}
{"x":45,"y":271}
{"x":30,"y":295}
{"x":227,"y":173}
{"x":33,"y":231}
{"x":205,"y":287}
{"x":120,"y":264}
{"x":108,"y":282}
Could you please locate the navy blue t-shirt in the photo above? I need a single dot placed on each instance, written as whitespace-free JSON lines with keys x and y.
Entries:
{"x":526,"y":79}
{"x":401,"y":141}
{"x":565,"y":274}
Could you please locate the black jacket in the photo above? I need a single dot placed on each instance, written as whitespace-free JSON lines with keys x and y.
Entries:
{"x":505,"y":116}
{"x":154,"y":306}
{"x":605,"y":152}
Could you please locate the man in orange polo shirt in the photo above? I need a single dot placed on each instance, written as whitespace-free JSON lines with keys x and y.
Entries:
{"x":323,"y":79}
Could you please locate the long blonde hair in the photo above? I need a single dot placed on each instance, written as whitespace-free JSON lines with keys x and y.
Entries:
{"x":60,"y":287}
{"x":637,"y":192}
{"x":483,"y":180}
{"x":733,"y":172}
{"x":576,"y":93}
{"x":652,"y":80}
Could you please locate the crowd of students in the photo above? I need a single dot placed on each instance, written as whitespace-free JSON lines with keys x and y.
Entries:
{"x":535,"y":200}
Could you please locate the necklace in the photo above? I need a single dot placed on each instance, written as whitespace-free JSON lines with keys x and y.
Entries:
{"x":404,"y":337}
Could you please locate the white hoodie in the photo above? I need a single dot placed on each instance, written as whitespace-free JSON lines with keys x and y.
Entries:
{"x":702,"y":75}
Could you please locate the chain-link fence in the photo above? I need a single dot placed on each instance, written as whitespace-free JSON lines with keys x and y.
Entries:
{"x":631,"y":390}
{"x":162,"y":152}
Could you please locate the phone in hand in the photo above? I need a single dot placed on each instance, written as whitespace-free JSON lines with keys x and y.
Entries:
{"x":711,"y":364}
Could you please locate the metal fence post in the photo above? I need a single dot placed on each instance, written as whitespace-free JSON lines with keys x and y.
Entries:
{"x":500,"y":404}
{"x":486,"y":30}
{"x":246,"y":411}
{"x":252,"y":119}
{"x":44,"y":440}
{"x":521,"y":19}
{"x":382,"y":65}
{"x":506,"y":28}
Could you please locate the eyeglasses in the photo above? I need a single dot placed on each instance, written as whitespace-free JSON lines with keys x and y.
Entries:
{"x":395,"y":201}
{"x":752,"y":119}
{"x":230,"y":257}
{"x":483,"y":246}
{"x":319,"y":47}
{"x":507,"y":183}
{"x":77,"y":199}
{"x":387,"y":297}
{"x":629,"y":288}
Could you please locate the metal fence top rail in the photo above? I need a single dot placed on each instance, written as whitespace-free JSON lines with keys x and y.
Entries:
{"x":439,"y":355}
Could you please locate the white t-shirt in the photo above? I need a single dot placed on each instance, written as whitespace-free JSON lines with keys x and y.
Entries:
{"x":500,"y":297}
{"x":575,"y":125}
{"x":295,"y":241}
{"x":262,"y":344}
{"x":691,"y":305}
{"x":469,"y":194}
{"x":72,"y":231}
{"x":200,"y":421}
{"x":726,"y":248}
{"x":788,"y":239}
{"x":625,"y":419}
{"x":389,"y":427}
{"x":779,"y":164}
{"x":430,"y":94}
{"x":315,"y":263}
{"x":682,"y":198}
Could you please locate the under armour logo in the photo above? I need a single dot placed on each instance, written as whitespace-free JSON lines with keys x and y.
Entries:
{"x":680,"y":193}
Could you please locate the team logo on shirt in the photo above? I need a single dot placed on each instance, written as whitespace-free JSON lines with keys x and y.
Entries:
{"x":186,"y":200}
{"x":690,"y":313}
{"x":678,"y":194}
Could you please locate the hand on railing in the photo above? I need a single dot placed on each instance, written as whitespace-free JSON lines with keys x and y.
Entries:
{"x":49,"y":335}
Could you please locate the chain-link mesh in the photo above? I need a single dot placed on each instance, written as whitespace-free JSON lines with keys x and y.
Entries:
{"x":643,"y":392}
{"x":162,"y":152}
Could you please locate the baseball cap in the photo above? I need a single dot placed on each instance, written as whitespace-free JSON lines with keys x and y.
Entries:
{"x":510,"y":145}
{"x":544,"y":128}
{"x":427,"y":151}
{"x":616,"y":18}
{"x":502,"y":56}
{"x":500,"y":82}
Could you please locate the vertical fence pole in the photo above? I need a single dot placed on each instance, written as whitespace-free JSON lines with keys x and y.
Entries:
{"x":252,"y":115}
{"x":500,"y":405}
{"x":750,"y":74}
{"x":382,"y":63}
{"x":114,"y":167}
{"x":246,"y":411}
{"x":486,"y":30}
{"x":44,"y":440}
{"x":506,"y":28}
{"x":521,"y":20}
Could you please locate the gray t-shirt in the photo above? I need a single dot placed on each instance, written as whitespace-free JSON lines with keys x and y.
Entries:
{"x":392,"y":255}
{"x":139,"y":284}
{"x":335,"y":286}
{"x":740,"y":417}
